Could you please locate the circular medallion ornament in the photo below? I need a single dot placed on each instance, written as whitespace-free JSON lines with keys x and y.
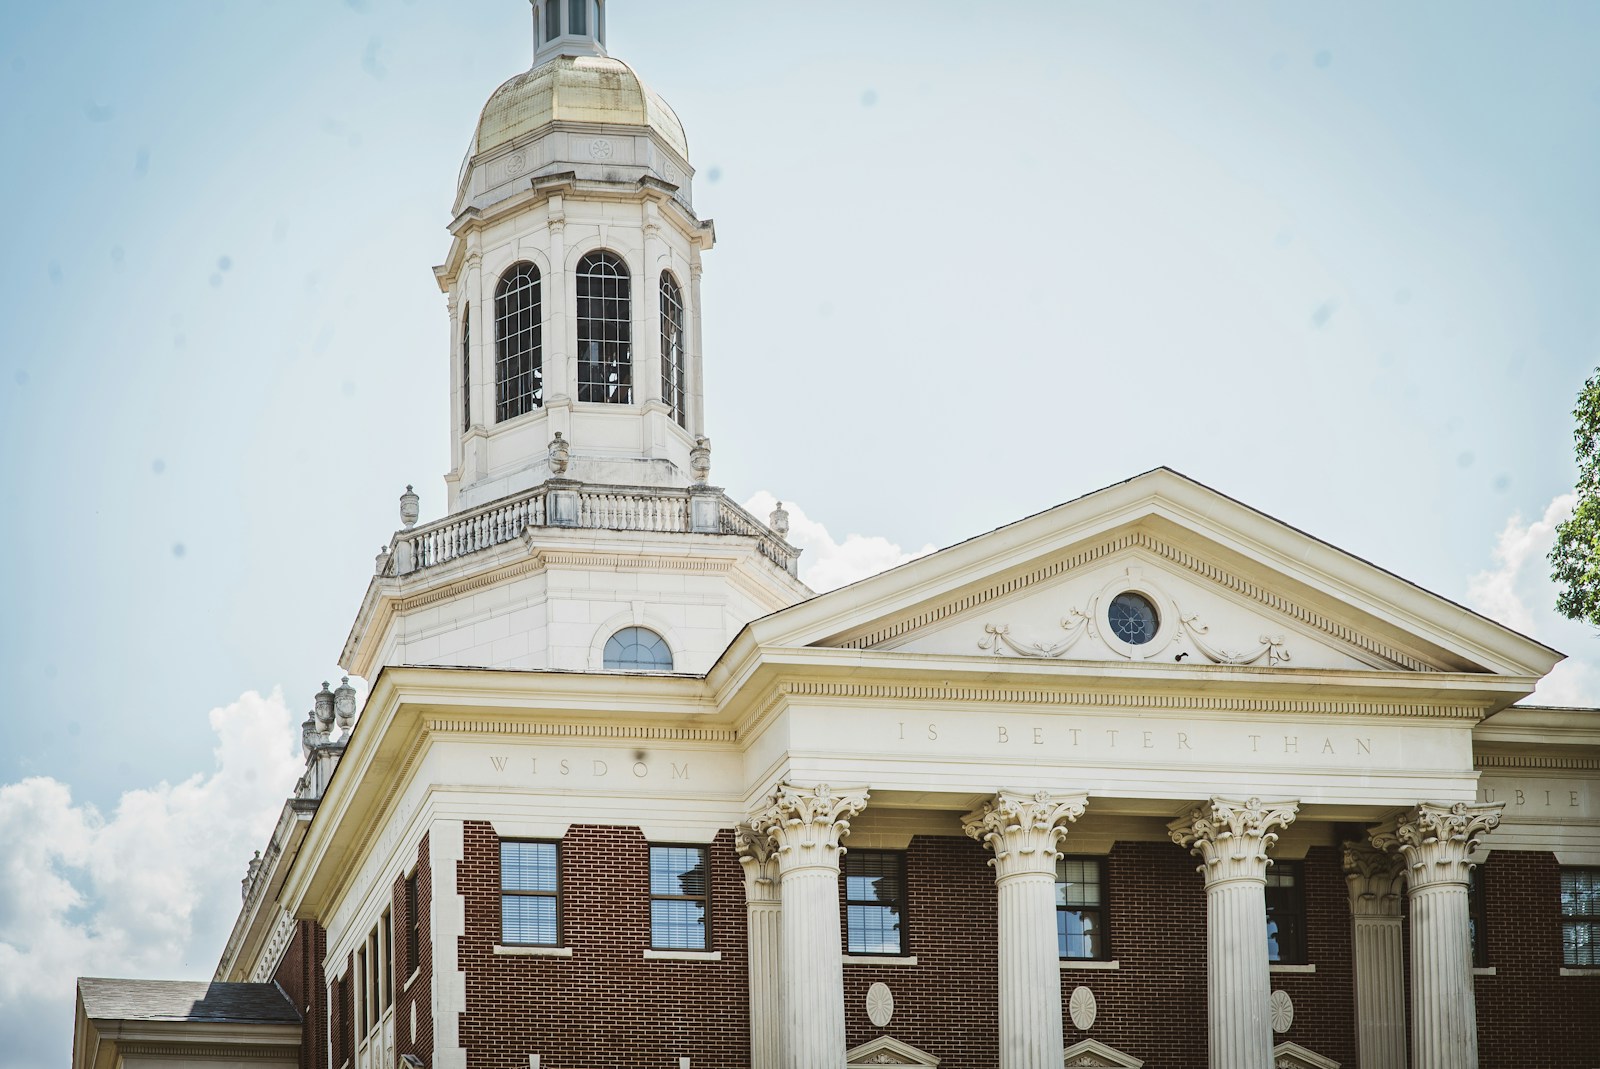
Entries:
{"x":516,"y":163}
{"x":600,"y":149}
{"x":1282,"y":1011}
{"x":880,"y":1004}
{"x":1083,"y":1008}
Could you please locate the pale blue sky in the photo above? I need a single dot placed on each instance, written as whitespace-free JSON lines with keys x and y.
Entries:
{"x":1339,"y":261}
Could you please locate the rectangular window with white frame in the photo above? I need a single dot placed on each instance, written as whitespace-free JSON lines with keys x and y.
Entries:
{"x":1081,"y":930}
{"x":1580,"y":917}
{"x":530,"y":893}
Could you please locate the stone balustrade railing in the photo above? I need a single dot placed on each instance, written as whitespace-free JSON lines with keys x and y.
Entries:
{"x":699,"y":510}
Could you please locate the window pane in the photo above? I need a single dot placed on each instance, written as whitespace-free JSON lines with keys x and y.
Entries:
{"x":577,"y":21}
{"x":1078,"y":933}
{"x":528,"y":867}
{"x":637,"y":647}
{"x":552,"y":20}
{"x":677,"y":870}
{"x":1078,"y":882}
{"x":874,"y":929}
{"x":677,"y":924}
{"x":605,"y":329}
{"x":519,"y":349}
{"x":528,"y":919}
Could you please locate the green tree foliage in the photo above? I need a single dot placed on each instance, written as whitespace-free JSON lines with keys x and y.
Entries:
{"x":1576,"y":555}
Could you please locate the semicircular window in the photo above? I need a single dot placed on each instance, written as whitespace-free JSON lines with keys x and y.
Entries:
{"x":638,"y":647}
{"x":1132,"y":618}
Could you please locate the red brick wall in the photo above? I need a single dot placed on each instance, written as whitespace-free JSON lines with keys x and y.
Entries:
{"x":605,"y":1005}
{"x":1528,"y":1013}
{"x":301,"y":976}
{"x":419,"y":991}
{"x":1324,"y":1002}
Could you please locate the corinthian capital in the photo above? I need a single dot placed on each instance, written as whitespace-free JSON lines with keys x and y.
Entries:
{"x":1232,"y":838}
{"x":1376,"y":880}
{"x":806,"y":824}
{"x":759,"y":857}
{"x":1437,"y":841}
{"x":1023,"y":830}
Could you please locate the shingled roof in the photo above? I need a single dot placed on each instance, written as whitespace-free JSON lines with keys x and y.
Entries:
{"x":185,"y":1000}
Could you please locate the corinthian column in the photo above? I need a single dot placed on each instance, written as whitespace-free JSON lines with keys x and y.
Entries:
{"x":1232,"y":840}
{"x":804,"y":826}
{"x":762,"y":914}
{"x":1023,"y":830}
{"x":1376,"y":880}
{"x":1436,"y":844}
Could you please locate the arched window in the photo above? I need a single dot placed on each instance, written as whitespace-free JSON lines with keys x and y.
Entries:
{"x":638,"y":647}
{"x":674,"y":370}
{"x":605,"y":331}
{"x":519,"y":354}
{"x":466,"y":368}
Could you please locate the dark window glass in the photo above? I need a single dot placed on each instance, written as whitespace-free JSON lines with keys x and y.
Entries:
{"x":678,"y":889}
{"x":413,"y":926}
{"x":529,"y":884}
{"x":674,"y":370}
{"x":362,"y":1002}
{"x":1580,"y":916}
{"x":600,"y":20}
{"x":605,"y":330}
{"x":387,"y":928}
{"x":577,"y":21}
{"x":1475,"y":918}
{"x":552,"y":20}
{"x":1081,"y":908}
{"x":637,"y":647}
{"x":373,"y":966}
{"x":875,"y":899}
{"x":1133,"y":619}
{"x":466,"y":367}
{"x":519,"y":349}
{"x":1286,"y":913}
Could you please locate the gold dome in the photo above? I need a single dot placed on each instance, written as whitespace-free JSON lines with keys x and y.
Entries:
{"x":580,"y":89}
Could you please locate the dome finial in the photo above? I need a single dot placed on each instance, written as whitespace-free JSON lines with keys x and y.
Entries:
{"x":568,"y":28}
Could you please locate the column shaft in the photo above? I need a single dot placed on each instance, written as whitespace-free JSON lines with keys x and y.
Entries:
{"x":1238,"y":981}
{"x":1030,"y":973}
{"x":766,"y":1004}
{"x":1443,"y":1011}
{"x":1233,"y":839}
{"x":1380,"y":992}
{"x":812,"y":968}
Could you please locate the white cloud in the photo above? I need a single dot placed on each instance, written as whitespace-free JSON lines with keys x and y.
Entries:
{"x":1518,"y":592}
{"x":827,"y":564}
{"x":149,"y":891}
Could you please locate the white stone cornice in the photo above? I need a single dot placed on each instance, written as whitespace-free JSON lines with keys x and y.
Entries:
{"x":1437,"y":841}
{"x":759,"y":858}
{"x":1376,"y":879}
{"x":1023,"y":830}
{"x":1232,"y":838}
{"x":806,"y":824}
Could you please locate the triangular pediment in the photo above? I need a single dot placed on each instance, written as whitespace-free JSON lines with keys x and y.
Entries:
{"x":1091,"y":1052}
{"x":886,"y":1050}
{"x":1226,"y":585}
{"x":1294,"y":1056}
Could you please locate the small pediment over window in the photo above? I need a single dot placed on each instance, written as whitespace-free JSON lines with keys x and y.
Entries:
{"x":1091,"y":1052}
{"x":886,"y":1050}
{"x":1294,"y":1056}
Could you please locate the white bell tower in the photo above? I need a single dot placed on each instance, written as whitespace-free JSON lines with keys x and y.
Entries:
{"x":581,"y":531}
{"x":574,"y":276}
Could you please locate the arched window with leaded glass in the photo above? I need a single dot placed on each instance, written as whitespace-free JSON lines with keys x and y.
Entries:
{"x":674,"y":362}
{"x":605,"y":330}
{"x":466,"y":368}
{"x":637,"y":648}
{"x":519,"y":352}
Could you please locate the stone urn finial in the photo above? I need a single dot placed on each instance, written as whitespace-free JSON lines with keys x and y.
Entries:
{"x":779,"y":522}
{"x":324,"y":708}
{"x":700,"y":460}
{"x":560,"y":455}
{"x":408,"y":508}
{"x":344,"y":703}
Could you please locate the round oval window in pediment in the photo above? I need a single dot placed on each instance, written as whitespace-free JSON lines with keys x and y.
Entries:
{"x":1133,"y":618}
